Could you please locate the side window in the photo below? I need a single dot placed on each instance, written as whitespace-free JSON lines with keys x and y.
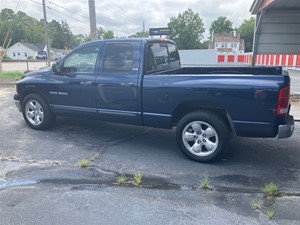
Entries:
{"x":118,"y":59}
{"x":174,"y":56}
{"x":161,"y":56}
{"x":82,"y":61}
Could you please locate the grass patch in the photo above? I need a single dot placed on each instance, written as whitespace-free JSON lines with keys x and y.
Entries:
{"x":121,"y":180}
{"x":138,"y":179}
{"x":83,"y":163}
{"x":271,"y":189}
{"x":10,"y":76}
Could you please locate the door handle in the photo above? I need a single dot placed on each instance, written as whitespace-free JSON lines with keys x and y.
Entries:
{"x":130,"y":84}
{"x":86,"y":83}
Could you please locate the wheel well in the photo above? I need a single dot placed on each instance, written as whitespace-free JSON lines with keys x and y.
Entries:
{"x":185,"y":109}
{"x":28,"y":92}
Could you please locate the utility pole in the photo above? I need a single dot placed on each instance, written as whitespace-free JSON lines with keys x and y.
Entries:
{"x":46,"y":34}
{"x":143,"y":26}
{"x":93,"y":24}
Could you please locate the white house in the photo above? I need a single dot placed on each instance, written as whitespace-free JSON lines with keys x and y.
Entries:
{"x":22,"y":50}
{"x":228,"y":43}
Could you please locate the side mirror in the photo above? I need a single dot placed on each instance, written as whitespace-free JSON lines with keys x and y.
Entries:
{"x":56,"y":68}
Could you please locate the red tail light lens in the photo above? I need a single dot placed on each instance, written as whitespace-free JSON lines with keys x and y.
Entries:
{"x":283,"y":101}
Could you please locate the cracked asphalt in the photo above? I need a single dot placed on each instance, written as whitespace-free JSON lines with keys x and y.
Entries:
{"x":41,"y":182}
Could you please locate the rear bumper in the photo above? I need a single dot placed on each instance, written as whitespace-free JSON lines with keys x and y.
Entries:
{"x":286,"y":130}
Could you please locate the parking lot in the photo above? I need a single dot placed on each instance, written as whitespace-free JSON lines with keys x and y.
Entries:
{"x":29,"y":157}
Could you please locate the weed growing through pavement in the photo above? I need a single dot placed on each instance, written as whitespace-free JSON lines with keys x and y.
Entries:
{"x":94,"y":157}
{"x":270,"y":214}
{"x":204,"y":184}
{"x":83,"y":163}
{"x":271,"y":189}
{"x":137,"y":179}
{"x":256,"y":204}
{"x":121,"y":180}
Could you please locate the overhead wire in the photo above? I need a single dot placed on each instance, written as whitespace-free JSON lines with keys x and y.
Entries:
{"x":25,"y":5}
{"x":17,"y":6}
{"x":62,"y":7}
{"x":60,"y":12}
{"x":3,"y":4}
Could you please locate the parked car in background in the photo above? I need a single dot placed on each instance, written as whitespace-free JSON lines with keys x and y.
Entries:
{"x":41,"y":55}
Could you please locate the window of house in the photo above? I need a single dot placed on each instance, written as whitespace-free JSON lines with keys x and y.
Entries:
{"x":18,"y":53}
{"x":225,"y":45}
{"x":25,"y":54}
{"x":14,"y":54}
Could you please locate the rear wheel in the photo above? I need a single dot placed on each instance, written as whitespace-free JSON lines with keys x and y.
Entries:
{"x":36,"y":112}
{"x":202,"y":136}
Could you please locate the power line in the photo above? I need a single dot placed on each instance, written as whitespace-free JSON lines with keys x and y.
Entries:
{"x":60,"y":12}
{"x":26,"y":5}
{"x":3,"y":4}
{"x":17,"y":6}
{"x":114,"y":9}
{"x":59,"y":6}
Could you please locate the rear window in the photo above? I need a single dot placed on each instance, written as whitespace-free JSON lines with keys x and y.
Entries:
{"x":161,"y":56}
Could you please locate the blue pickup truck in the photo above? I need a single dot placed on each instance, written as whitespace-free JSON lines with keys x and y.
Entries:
{"x":141,"y":82}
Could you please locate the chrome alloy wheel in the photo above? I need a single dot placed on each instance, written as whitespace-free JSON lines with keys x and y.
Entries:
{"x":34,"y":112}
{"x":200,"y":138}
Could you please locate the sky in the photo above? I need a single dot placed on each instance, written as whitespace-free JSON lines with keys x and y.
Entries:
{"x":126,"y":17}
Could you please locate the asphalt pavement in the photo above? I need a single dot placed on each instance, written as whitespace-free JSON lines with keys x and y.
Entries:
{"x":41,"y":181}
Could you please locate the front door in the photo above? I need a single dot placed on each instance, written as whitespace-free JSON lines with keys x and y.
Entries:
{"x":74,"y":90}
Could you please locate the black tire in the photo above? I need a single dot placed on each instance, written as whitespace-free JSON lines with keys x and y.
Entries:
{"x":36,"y":112}
{"x":202,"y":136}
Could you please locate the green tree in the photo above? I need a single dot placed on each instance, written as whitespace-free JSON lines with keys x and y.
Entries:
{"x":55,"y":34}
{"x":246,"y":31}
{"x":187,"y":30}
{"x":221,"y":25}
{"x":20,"y":26}
{"x":103,"y":35}
{"x":61,"y":35}
{"x":140,"y":34}
{"x":204,"y":44}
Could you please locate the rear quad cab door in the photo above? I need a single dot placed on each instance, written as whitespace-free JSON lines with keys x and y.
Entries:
{"x":117,"y":83}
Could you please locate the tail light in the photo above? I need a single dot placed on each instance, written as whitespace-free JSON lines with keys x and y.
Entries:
{"x":283,"y":101}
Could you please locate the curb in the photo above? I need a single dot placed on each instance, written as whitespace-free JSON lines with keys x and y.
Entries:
{"x":8,"y":82}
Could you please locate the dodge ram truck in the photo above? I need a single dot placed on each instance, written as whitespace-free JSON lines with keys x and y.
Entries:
{"x":141,"y":82}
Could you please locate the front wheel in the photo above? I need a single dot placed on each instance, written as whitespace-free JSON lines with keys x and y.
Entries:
{"x":202,"y":136}
{"x":36,"y":112}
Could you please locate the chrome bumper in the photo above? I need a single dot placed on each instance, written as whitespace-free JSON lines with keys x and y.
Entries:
{"x":286,"y":130}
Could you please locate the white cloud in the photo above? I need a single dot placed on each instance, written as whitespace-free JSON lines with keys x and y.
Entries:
{"x":126,"y":17}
